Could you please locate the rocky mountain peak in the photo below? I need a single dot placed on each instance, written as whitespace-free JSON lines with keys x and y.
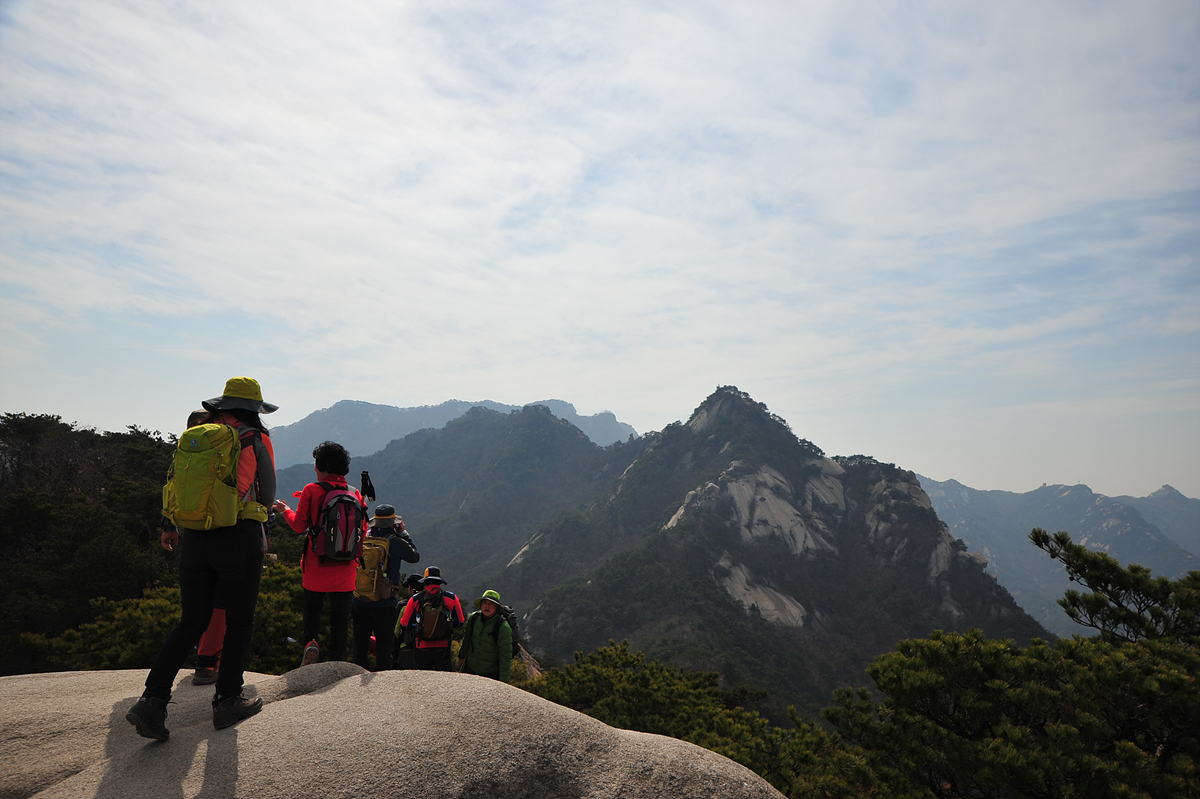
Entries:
{"x":730,"y":413}
{"x":724,"y":403}
{"x":1166,"y":492}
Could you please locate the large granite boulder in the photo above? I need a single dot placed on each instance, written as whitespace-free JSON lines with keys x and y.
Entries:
{"x":335,"y":730}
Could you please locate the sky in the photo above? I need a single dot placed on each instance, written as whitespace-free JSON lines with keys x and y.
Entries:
{"x":963,"y":238}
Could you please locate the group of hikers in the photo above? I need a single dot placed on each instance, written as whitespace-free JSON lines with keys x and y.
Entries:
{"x":219,"y":496}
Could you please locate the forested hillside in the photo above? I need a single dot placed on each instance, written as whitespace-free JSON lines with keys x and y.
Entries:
{"x":958,"y":714}
{"x":997,"y":523}
{"x":79,"y":511}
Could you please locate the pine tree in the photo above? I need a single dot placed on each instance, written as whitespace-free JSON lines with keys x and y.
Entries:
{"x":1113,"y":716}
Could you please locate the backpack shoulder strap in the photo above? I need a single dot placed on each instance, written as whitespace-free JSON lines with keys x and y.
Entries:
{"x":501,"y":621}
{"x":467,"y":641}
{"x":246,"y":431}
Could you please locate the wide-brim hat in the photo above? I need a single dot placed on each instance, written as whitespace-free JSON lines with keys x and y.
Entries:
{"x":413,"y":581}
{"x":433,"y":575}
{"x":240,"y":392}
{"x":489,"y":595}
{"x":385,"y":516}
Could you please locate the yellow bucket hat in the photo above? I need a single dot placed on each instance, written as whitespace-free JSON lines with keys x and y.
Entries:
{"x":240,"y":392}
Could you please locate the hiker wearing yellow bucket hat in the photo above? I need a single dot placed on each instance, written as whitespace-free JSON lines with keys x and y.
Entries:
{"x":230,"y":557}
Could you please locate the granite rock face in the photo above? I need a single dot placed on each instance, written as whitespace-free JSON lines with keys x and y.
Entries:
{"x":333,"y":730}
{"x":830,"y":509}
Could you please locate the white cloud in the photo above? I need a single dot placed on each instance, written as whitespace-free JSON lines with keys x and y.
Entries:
{"x":620,"y":205}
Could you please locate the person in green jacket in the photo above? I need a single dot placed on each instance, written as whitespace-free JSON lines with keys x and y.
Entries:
{"x":485,"y":636}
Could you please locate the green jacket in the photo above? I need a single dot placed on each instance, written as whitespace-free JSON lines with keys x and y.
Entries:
{"x":482,"y":650}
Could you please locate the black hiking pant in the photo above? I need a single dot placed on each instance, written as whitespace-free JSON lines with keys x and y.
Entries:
{"x":404,"y":647}
{"x":339,"y":619}
{"x":404,"y":657}
{"x":378,"y":620}
{"x":495,"y":675}
{"x":225,"y":561}
{"x":433,"y":658}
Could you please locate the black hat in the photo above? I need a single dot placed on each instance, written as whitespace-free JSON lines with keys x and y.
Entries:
{"x":433,"y":575}
{"x":385,"y":516}
{"x":413,"y":581}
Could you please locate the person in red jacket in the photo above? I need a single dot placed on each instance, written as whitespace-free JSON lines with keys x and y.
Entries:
{"x":436,"y":612}
{"x":321,"y":578}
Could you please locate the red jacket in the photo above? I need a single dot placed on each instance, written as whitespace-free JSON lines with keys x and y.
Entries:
{"x":450,"y":600}
{"x":316,"y":576}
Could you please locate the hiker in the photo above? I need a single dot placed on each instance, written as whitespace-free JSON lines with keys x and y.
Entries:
{"x":487,"y":641}
{"x":229,"y":557}
{"x":373,"y":607}
{"x":436,"y":612}
{"x":404,"y":645}
{"x":326,"y":573}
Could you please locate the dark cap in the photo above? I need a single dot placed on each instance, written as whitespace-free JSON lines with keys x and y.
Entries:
{"x":385,"y":516}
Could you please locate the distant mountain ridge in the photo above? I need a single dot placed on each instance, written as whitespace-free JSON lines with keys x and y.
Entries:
{"x":725,"y":544}
{"x":998,"y":523}
{"x":474,"y":491}
{"x":1176,"y":515}
{"x":364,"y":428}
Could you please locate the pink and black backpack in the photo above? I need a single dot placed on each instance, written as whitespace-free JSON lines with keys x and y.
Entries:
{"x":337,"y":534}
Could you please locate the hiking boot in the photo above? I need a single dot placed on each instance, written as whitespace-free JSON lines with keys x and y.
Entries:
{"x":149,"y":717}
{"x":230,"y":711}
{"x":311,"y":653}
{"x":204,"y":676}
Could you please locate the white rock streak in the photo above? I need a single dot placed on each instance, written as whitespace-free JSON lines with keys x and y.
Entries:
{"x":774,"y":606}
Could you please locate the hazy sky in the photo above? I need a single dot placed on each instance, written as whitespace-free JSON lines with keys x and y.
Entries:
{"x":960,"y":237}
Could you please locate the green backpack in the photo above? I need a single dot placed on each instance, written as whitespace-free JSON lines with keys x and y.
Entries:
{"x":201,"y":491}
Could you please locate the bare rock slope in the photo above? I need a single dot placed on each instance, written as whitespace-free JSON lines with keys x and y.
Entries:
{"x":333,"y":730}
